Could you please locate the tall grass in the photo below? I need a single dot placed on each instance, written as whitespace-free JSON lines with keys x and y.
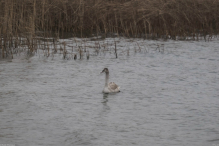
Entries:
{"x":133,"y":18}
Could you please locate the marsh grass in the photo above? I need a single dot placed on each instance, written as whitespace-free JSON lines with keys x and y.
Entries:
{"x":28,"y":22}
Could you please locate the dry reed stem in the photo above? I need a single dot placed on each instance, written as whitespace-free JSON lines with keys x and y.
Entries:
{"x":133,"y":18}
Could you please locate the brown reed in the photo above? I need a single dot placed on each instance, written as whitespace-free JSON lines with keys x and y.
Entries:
{"x":115,"y":50}
{"x":133,"y":18}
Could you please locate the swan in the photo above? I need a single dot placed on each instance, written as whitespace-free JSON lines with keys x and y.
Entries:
{"x":109,"y":87}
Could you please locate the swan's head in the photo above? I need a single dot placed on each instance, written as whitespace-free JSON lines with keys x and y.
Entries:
{"x":105,"y":70}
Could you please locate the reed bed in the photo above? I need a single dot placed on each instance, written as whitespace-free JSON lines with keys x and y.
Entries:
{"x":28,"y":22}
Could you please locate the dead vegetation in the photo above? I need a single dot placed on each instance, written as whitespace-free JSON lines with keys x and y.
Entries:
{"x":34,"y":19}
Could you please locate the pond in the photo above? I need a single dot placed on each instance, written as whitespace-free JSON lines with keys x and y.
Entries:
{"x":169,"y":95}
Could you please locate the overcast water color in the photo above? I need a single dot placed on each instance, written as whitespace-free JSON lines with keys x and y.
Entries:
{"x":168,"y":97}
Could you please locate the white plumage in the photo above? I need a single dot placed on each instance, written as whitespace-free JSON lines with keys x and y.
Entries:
{"x":109,"y":87}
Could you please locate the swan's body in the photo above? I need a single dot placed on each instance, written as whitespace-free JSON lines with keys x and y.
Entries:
{"x":109,"y":87}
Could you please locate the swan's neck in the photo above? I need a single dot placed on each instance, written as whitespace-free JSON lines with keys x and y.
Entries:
{"x":107,"y":79}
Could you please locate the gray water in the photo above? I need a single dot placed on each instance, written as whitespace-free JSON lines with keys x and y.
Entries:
{"x":167,"y":98}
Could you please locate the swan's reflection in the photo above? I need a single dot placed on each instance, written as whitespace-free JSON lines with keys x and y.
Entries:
{"x":106,"y":108}
{"x":105,"y":98}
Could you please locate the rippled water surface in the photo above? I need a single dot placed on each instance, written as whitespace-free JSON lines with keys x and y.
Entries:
{"x":167,"y":98}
